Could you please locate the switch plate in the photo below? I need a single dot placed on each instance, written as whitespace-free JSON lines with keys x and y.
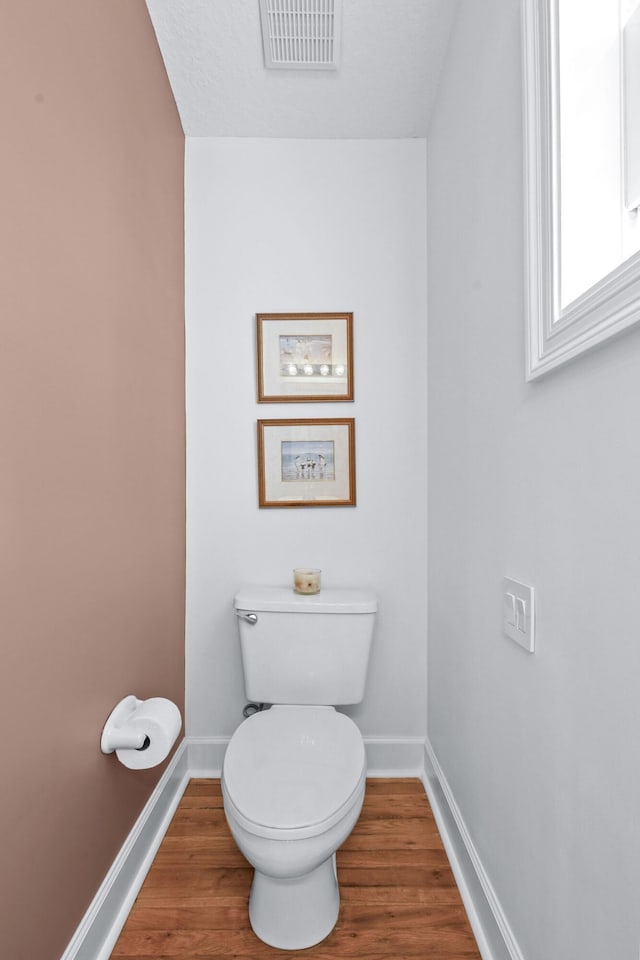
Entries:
{"x":518,"y":623}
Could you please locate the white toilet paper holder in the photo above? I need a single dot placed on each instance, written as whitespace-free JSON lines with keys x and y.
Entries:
{"x":115,"y":736}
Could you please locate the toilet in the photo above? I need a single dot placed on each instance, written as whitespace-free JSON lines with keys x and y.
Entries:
{"x":293,"y":777}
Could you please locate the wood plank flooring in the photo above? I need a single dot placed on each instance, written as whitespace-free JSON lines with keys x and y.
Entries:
{"x":398,"y":896}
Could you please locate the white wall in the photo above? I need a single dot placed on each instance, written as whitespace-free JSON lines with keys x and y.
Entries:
{"x":540,"y":482}
{"x":280,"y":226}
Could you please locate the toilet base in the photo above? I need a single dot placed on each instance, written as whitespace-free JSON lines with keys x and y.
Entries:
{"x":295,"y":913}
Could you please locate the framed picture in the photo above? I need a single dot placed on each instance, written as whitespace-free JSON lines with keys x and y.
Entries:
{"x":306,"y":463}
{"x":304,"y":357}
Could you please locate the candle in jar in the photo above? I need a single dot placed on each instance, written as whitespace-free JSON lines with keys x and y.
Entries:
{"x":306,"y":580}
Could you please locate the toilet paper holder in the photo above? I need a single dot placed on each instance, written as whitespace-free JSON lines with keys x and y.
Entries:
{"x":115,"y":735}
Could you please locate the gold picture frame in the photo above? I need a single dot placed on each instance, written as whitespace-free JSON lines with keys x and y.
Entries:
{"x":306,"y":463}
{"x":304,"y":357}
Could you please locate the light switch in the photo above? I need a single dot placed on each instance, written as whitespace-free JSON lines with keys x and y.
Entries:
{"x":517,"y":613}
{"x":509,"y":609}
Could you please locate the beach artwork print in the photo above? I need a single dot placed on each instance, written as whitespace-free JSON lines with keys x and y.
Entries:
{"x":304,"y":461}
{"x":308,"y":354}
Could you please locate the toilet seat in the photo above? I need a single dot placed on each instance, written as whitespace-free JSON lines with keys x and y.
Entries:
{"x":292,"y":772}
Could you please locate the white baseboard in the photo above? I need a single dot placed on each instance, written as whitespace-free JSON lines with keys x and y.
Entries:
{"x":394,"y":757}
{"x":206,"y":755}
{"x":486,"y":916}
{"x":386,"y":757}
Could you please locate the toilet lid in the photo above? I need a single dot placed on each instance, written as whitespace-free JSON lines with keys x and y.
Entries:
{"x":291,"y":767}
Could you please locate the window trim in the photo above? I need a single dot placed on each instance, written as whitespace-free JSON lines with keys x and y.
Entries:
{"x":556,"y":335}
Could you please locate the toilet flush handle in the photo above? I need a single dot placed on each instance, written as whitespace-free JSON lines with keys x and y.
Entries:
{"x":251,"y":618}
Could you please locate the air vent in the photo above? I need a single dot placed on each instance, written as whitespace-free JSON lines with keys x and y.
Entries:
{"x":301,"y":34}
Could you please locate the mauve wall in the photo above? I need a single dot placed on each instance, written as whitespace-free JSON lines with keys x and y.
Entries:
{"x":92,"y":441}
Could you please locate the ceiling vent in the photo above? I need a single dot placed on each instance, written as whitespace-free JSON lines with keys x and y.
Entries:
{"x":301,"y":34}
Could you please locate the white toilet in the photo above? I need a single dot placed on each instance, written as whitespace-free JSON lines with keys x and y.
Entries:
{"x":293,"y":777}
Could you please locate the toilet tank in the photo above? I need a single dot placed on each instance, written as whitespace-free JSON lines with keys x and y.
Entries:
{"x":305,"y":649}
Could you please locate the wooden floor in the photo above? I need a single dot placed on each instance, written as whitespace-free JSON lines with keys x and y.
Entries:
{"x":398,"y":895}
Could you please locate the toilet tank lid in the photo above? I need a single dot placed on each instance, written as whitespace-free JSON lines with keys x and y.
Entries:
{"x":284,"y":600}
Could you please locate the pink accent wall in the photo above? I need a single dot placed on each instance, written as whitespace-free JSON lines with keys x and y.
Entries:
{"x":92,"y":497}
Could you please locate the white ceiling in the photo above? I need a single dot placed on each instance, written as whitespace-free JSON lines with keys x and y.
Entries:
{"x":392,"y":54}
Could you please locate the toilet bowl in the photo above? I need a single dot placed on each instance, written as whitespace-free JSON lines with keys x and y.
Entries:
{"x":293,"y":783}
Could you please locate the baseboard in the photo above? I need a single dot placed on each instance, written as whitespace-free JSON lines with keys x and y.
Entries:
{"x":394,"y":757}
{"x":489,"y":924}
{"x":206,"y":755}
{"x":101,"y":925}
{"x":386,"y":757}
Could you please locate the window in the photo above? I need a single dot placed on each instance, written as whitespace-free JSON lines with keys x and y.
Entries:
{"x":582,"y":153}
